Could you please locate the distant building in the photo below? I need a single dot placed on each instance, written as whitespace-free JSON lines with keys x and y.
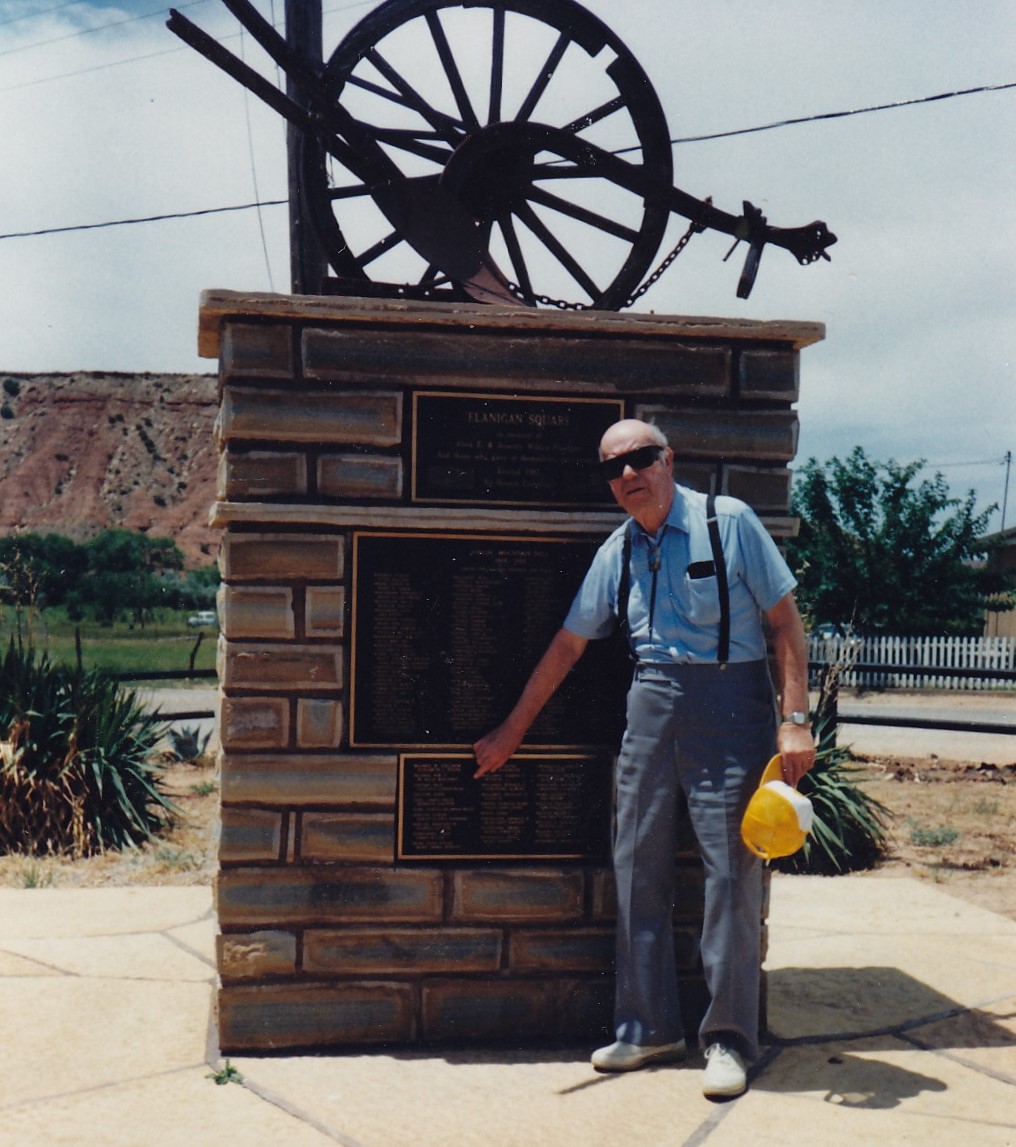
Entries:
{"x":1004,"y":559}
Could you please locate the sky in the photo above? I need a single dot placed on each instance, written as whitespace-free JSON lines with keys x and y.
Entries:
{"x":104,"y":116}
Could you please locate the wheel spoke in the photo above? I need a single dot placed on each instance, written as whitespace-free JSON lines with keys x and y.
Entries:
{"x":557,"y":249}
{"x":444,"y":51}
{"x":348,"y":192}
{"x":412,"y":141}
{"x":449,"y":127}
{"x":511,"y":240}
{"x":497,"y":68}
{"x":583,"y":215}
{"x":379,"y":248}
{"x":546,"y":74}
{"x":594,"y":116}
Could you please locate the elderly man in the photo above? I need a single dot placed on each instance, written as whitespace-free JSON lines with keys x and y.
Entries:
{"x":701,"y":724}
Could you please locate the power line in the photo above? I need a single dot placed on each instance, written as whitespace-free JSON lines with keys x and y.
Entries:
{"x":844,"y":114}
{"x":143,"y":219}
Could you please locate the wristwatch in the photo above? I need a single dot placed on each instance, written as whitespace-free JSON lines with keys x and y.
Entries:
{"x":796,"y":718}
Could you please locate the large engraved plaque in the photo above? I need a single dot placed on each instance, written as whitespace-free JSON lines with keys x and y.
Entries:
{"x":551,"y":807}
{"x":446,"y":629}
{"x":509,"y":451}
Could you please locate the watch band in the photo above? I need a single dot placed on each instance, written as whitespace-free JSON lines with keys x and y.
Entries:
{"x":796,"y":718}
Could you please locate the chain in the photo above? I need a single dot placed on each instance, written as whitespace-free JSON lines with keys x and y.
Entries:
{"x":693,"y":229}
{"x":563,"y":305}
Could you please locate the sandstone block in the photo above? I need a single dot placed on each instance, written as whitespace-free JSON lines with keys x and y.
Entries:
{"x":264,"y":612}
{"x":253,"y":722}
{"x":418,"y":355}
{"x":250,"y":835}
{"x":471,"y":1010}
{"x":390,"y":951}
{"x":319,"y":723}
{"x":316,"y":895}
{"x":561,"y":950}
{"x":255,"y":955}
{"x":275,"y":1016}
{"x":770,"y":374}
{"x":765,"y":489}
{"x":276,"y":667}
{"x":722,"y":434}
{"x":359,"y":476}
{"x":300,"y":780}
{"x":325,"y":611}
{"x":282,"y":557}
{"x":488,"y":894}
{"x":256,"y":475}
{"x":256,"y":350}
{"x":361,"y":417}
{"x":348,"y":837}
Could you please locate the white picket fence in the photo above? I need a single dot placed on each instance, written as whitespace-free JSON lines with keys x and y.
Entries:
{"x":930,"y":653}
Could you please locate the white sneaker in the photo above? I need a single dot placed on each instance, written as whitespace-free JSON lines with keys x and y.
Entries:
{"x":621,"y":1056}
{"x":726,"y":1074}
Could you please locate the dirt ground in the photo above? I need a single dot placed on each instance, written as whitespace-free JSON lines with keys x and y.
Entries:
{"x":953,"y":823}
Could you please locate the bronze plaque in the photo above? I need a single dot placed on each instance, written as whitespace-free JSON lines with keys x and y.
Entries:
{"x":509,"y":451}
{"x":446,"y":629}
{"x":553,"y":807}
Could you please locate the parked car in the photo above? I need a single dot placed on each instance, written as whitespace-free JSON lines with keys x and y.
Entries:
{"x":202,"y":617}
{"x":830,"y":629}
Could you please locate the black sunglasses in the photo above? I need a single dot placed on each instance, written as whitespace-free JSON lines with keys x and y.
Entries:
{"x":640,"y":458}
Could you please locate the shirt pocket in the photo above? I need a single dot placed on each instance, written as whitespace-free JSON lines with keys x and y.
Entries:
{"x":703,"y":597}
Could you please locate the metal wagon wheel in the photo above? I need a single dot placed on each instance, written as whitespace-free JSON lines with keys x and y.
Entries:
{"x":431,"y":79}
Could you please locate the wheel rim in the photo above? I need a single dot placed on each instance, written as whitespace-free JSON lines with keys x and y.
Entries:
{"x":430,"y":77}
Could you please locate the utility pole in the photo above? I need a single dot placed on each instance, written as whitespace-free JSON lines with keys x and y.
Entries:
{"x":1005,"y":495}
{"x":307,"y":262}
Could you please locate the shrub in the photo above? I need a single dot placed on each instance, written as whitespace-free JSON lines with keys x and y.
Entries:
{"x":75,"y":774}
{"x":6,"y":411}
{"x":12,"y":387}
{"x":850,"y":827}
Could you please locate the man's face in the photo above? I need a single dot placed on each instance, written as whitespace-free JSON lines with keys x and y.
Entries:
{"x":646,"y":493}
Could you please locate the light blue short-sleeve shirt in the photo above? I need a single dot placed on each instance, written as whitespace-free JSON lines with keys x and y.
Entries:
{"x":686,"y":615}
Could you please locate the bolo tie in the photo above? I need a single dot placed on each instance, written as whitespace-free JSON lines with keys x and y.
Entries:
{"x":654,"y":569}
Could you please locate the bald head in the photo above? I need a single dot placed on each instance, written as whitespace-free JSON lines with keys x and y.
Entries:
{"x":617,"y":438}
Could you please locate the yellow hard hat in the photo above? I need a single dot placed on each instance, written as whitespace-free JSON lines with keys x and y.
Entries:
{"x":778,"y":818}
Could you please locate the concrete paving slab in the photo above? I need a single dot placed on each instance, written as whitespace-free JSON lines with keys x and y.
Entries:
{"x":517,"y":1098}
{"x":845,"y":1095}
{"x":149,"y":956}
{"x":11,"y":965}
{"x":57,"y":912}
{"x":176,"y":1109}
{"x":853,"y":956}
{"x":75,"y":1034}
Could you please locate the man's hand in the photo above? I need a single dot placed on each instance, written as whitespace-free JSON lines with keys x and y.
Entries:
{"x":797,"y":748}
{"x":493,"y":750}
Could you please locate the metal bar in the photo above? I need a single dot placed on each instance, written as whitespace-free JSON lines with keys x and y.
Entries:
{"x":191,"y":715}
{"x":164,"y":674}
{"x":929,"y":723}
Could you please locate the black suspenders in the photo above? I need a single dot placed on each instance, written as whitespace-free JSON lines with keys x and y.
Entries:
{"x":723,"y":645}
{"x":719,"y":564}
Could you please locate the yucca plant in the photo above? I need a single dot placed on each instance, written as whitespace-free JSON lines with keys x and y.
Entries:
{"x":75,"y":775}
{"x":850,"y":828}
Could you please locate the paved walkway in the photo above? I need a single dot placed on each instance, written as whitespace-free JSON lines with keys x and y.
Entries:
{"x":893,"y":1006}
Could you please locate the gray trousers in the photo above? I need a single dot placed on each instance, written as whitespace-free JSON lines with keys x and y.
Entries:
{"x":697,"y":736}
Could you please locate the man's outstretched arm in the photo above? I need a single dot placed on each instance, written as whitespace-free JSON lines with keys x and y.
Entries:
{"x":553,"y":667}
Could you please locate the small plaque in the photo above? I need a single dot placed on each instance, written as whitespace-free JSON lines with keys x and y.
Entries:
{"x":553,"y":807}
{"x":509,"y":451}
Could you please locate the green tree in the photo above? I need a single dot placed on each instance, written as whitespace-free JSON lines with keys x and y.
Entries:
{"x":130,"y":572}
{"x":891,"y":551}
{"x":39,"y":569}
